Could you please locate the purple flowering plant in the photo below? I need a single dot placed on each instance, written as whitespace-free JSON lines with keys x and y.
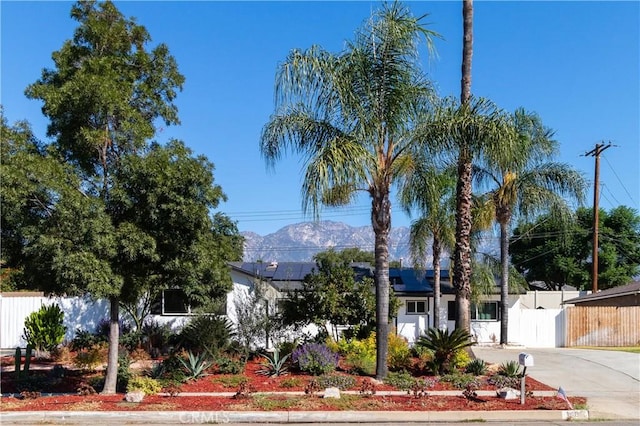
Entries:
{"x":315,"y":358}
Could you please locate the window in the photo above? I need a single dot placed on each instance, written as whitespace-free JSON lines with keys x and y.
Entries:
{"x":174,"y":302}
{"x":416,"y":307}
{"x":485,"y":311}
{"x":452,"y":310}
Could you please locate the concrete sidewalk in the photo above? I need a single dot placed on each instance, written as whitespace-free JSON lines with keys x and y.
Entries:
{"x":284,"y":417}
{"x":610,"y":380}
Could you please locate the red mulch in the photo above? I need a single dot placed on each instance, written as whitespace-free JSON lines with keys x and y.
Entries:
{"x":259,"y":383}
{"x":281,"y":403}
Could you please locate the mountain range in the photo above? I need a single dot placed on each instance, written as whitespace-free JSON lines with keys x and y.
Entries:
{"x":300,"y":242}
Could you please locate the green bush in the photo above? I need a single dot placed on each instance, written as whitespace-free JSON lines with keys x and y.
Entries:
{"x":339,"y":381}
{"x":361,"y":363}
{"x":92,"y":357}
{"x":399,"y":355}
{"x":144,"y":384}
{"x":460,"y":381}
{"x":400,"y":380}
{"x":206,"y":333}
{"x":44,"y":329}
{"x":444,"y":346}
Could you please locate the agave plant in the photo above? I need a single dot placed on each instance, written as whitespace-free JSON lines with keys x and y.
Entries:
{"x":509,"y":369}
{"x":444,"y":346}
{"x":196,"y":366}
{"x":274,"y":365}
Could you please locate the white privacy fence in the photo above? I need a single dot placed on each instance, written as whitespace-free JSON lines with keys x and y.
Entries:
{"x":78,"y":313}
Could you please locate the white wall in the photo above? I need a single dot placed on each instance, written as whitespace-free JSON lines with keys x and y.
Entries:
{"x":78,"y":313}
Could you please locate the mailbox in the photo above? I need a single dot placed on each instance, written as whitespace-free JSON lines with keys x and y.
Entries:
{"x":526,"y":360}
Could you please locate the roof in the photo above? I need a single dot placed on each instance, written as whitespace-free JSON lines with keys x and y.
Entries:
{"x":409,"y":281}
{"x":623,"y":290}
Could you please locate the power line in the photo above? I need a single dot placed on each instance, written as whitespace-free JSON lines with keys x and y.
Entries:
{"x":620,"y":181}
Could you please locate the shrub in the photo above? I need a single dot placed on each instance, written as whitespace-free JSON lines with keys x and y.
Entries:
{"x":400,"y":380}
{"x":206,"y":333}
{"x":144,"y":384}
{"x":460,"y":359}
{"x":361,"y":363}
{"x":228,"y":365}
{"x":94,"y":356}
{"x":291,"y":382}
{"x":84,"y":340}
{"x":44,"y":329}
{"x":399,"y":355}
{"x":339,"y":381}
{"x":315,"y":358}
{"x":477,"y":367}
{"x":460,"y":381}
{"x":444,"y":347}
{"x":500,"y":381}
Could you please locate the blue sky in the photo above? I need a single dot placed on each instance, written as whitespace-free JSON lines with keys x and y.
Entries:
{"x":577,"y":64}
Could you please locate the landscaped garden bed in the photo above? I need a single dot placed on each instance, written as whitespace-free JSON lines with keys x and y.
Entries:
{"x":201,"y":369}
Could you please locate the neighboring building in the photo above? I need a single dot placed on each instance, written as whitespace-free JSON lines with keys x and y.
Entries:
{"x":625,"y":295}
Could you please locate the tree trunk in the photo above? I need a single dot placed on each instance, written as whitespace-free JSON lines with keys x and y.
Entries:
{"x":462,"y":251}
{"x":111,"y":378}
{"x":504,"y":282}
{"x":467,"y":50}
{"x":436,"y":282}
{"x":381,"y":221}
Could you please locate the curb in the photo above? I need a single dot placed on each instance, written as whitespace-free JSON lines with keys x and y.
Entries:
{"x":283,"y":417}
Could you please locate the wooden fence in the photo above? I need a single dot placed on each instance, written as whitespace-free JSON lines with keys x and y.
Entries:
{"x":603,"y":326}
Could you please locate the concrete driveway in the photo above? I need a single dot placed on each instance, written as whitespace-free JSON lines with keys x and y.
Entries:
{"x":610,"y":380}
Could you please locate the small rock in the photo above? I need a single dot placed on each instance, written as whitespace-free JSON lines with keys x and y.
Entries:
{"x":134,"y":396}
{"x":508,"y":393}
{"x":332,"y":393}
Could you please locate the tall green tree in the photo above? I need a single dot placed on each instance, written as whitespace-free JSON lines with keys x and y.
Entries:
{"x":332,"y":295}
{"x":140,"y":216}
{"x":559,"y":253}
{"x":524,"y":181}
{"x":431,"y":192}
{"x":352,"y":115}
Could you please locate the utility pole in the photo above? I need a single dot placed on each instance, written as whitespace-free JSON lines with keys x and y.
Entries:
{"x":596,"y":195}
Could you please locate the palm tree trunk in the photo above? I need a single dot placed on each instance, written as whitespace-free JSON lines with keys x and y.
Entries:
{"x":467,"y":50}
{"x":381,"y":221}
{"x":111,"y":378}
{"x":504,"y":283}
{"x":435,"y":247}
{"x":462,"y":252}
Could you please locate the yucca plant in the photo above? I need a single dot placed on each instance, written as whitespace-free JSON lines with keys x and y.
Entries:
{"x":444,"y":346}
{"x":509,"y":369}
{"x":196,"y":366}
{"x":274,"y":365}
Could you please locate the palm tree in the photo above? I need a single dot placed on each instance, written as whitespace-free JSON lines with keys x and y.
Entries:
{"x":525,"y":182}
{"x":432,"y":192}
{"x":352,"y":115}
{"x":462,"y":251}
{"x":467,"y":132}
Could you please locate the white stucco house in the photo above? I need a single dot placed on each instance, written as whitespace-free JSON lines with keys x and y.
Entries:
{"x":535,"y":318}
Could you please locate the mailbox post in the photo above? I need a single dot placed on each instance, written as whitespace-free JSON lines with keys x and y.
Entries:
{"x":525,"y":360}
